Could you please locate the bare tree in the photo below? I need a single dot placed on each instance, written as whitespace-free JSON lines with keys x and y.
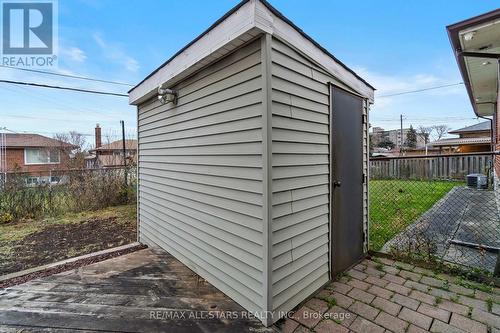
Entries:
{"x":73,"y":138}
{"x":71,"y":144}
{"x":440,"y":131}
{"x":108,"y":138}
{"x":424,"y":133}
{"x":78,"y":140}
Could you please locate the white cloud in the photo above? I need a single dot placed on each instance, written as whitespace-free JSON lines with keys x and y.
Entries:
{"x":115,"y":52}
{"x":448,"y":105}
{"x":65,"y":71}
{"x":73,"y":54}
{"x":387,"y":84}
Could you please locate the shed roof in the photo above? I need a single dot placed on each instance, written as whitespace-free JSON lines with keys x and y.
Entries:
{"x":484,"y":126}
{"x":23,"y":140}
{"x":242,"y":23}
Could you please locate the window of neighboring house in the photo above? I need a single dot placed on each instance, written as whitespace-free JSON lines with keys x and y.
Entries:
{"x":32,"y":180}
{"x":55,"y":179}
{"x":41,"y":156}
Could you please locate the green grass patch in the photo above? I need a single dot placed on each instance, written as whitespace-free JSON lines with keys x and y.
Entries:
{"x":395,"y":204}
{"x":330,"y":300}
{"x":489,"y":304}
{"x":474,"y":285}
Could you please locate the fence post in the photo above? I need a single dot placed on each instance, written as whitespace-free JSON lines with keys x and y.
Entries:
{"x":124,"y":152}
{"x":497,"y":266}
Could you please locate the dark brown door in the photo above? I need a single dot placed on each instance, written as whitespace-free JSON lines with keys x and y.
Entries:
{"x":347,"y":179}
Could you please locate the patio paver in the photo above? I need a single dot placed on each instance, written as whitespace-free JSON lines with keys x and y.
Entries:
{"x":132,"y":293}
{"x":397,"y":297}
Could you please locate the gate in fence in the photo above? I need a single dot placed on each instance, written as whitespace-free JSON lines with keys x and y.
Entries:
{"x":427,"y":208}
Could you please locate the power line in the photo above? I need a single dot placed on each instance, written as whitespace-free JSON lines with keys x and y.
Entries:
{"x":6,"y":129}
{"x":80,"y":77}
{"x":114,"y":135}
{"x":37,"y":132}
{"x":62,"y":119}
{"x":63,"y":88}
{"x":420,"y":90}
{"x":58,"y":103}
{"x":425,"y":118}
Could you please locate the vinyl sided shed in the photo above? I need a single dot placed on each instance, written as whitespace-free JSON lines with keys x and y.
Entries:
{"x":256,"y":177}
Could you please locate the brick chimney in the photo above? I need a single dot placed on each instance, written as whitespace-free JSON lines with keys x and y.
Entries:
{"x":98,"y":141}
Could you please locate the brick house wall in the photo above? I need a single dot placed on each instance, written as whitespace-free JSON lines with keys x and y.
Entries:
{"x":15,"y":162}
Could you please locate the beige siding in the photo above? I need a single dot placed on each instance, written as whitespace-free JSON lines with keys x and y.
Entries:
{"x":200,"y":175}
{"x":300,"y":146}
{"x":205,"y":175}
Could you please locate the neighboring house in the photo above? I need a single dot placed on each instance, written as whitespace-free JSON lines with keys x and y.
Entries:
{"x":111,"y":154}
{"x":38,"y":157}
{"x":476,"y":46}
{"x":471,"y":139}
{"x":239,"y":160}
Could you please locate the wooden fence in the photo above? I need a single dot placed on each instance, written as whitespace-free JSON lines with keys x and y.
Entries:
{"x":455,"y":166}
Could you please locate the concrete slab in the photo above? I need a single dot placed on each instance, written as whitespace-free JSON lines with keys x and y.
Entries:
{"x":463,"y":215}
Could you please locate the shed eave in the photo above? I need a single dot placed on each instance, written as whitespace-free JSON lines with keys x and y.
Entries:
{"x":241,"y":24}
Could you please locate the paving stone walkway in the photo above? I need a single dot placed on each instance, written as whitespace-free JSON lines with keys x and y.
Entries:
{"x":381,"y":295}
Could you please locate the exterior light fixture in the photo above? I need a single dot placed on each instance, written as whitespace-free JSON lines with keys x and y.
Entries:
{"x":469,"y":36}
{"x":167,"y":95}
{"x":486,"y":63}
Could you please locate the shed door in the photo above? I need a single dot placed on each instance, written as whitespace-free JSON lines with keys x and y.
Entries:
{"x":347,"y":179}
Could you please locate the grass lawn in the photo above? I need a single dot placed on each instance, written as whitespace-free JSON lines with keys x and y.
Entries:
{"x":395,"y":204}
{"x":34,"y":242}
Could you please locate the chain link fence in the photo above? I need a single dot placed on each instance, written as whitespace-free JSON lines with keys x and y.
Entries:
{"x":444,"y":207}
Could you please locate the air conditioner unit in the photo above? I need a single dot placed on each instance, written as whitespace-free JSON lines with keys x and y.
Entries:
{"x":477,"y":180}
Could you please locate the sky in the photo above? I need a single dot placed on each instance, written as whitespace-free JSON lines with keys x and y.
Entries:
{"x":396,"y":46}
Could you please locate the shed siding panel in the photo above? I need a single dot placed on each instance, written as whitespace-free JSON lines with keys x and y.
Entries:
{"x":200,"y":175}
{"x":301,"y":127}
{"x":300,"y":177}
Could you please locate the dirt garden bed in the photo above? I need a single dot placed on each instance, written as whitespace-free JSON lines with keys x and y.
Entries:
{"x":31,"y":243}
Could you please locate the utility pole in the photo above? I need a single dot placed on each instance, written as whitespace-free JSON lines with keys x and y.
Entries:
{"x":3,"y":158}
{"x":401,"y":139}
{"x":124,"y":151}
